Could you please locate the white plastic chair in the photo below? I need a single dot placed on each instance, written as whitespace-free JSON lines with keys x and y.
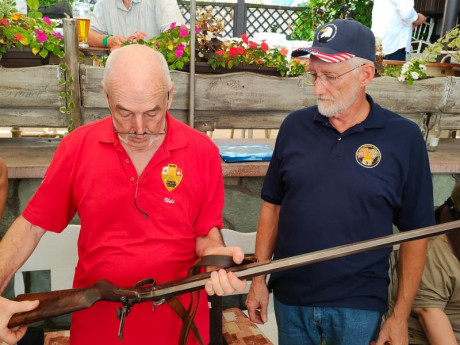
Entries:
{"x":57,"y":253}
{"x":421,"y":36}
{"x":246,"y":241}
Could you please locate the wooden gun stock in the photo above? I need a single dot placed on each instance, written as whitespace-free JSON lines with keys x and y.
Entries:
{"x":56,"y":303}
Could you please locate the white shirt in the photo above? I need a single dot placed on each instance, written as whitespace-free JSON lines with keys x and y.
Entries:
{"x":392,"y":23}
{"x":148,"y":16}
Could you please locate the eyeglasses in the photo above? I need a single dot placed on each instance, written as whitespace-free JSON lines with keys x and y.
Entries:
{"x":133,"y":133}
{"x":135,"y":201}
{"x":326,"y":79}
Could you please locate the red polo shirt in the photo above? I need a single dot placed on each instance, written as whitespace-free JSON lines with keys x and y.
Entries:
{"x":181,"y":190}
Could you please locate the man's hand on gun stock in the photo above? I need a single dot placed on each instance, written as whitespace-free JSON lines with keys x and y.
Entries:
{"x":7,"y":309}
{"x":222,"y":282}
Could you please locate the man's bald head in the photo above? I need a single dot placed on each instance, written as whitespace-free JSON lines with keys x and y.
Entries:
{"x":136,"y":65}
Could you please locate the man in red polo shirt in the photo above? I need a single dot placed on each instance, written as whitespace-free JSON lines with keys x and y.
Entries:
{"x":149,"y":192}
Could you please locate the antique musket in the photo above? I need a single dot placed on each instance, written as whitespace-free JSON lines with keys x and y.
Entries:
{"x":56,"y":303}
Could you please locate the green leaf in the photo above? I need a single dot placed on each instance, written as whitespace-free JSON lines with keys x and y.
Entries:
{"x":179,"y":64}
{"x":33,"y":4}
{"x":43,"y":53}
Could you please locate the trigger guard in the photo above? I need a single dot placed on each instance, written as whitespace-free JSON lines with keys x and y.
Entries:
{"x":148,"y":281}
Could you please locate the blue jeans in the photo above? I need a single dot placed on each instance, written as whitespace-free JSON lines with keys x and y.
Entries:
{"x":298,"y":325}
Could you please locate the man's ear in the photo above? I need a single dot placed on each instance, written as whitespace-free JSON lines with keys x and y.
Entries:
{"x":170,"y":95}
{"x":368,"y":73}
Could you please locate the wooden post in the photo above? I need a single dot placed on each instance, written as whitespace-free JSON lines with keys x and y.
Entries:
{"x":239,"y":21}
{"x":450,"y":15}
{"x":73,"y":69}
{"x":191,"y":114}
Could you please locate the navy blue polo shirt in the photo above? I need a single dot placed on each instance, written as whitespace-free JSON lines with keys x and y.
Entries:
{"x":339,"y":188}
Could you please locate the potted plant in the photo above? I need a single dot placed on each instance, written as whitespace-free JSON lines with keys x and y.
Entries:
{"x":216,"y":55}
{"x":418,"y":67}
{"x":26,"y":40}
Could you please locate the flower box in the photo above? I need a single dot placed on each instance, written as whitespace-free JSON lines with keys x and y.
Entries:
{"x":433,"y":69}
{"x":205,"y":68}
{"x":16,"y":58}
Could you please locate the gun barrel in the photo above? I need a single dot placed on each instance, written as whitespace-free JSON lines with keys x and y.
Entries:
{"x":56,"y":303}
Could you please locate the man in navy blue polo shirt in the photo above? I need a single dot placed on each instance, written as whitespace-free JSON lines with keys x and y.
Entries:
{"x":343,"y":171}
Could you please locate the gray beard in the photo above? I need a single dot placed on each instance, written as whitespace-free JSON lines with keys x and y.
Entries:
{"x":337,"y":107}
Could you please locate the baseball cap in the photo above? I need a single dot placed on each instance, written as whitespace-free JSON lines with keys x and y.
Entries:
{"x":341,"y":40}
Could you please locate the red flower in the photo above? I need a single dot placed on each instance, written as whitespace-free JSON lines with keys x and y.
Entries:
{"x":241,"y":50}
{"x":220,"y":52}
{"x":41,"y":36}
{"x":47,"y":20}
{"x":3,"y":21}
{"x":264,"y":46}
{"x":233,"y":51}
{"x":18,"y":37}
{"x":244,"y":37}
{"x":252,"y":44}
{"x":140,"y":35}
{"x":57,"y":34}
{"x":183,"y":31}
{"x":260,"y":62}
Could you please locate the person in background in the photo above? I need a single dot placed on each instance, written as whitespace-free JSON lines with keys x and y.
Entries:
{"x":343,"y":171}
{"x":3,"y":186}
{"x":436,"y":308}
{"x":113,"y":21}
{"x":392,"y":22}
{"x":148,"y":207}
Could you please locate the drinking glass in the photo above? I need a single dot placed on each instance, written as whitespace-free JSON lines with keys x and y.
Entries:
{"x":82,"y":12}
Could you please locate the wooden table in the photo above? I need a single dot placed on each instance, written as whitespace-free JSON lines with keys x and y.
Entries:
{"x":30,"y":157}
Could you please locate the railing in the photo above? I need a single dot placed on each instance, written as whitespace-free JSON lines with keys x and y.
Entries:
{"x":242,"y":18}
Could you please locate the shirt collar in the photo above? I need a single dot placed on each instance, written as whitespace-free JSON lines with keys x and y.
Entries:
{"x":373,"y":120}
{"x":121,"y":5}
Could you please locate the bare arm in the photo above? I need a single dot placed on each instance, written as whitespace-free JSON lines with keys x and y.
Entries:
{"x":437,"y":326}
{"x":410,"y":269}
{"x":267,"y":230}
{"x":95,"y":39}
{"x":221,"y":282}
{"x":3,"y":186}
{"x":15,"y":247}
